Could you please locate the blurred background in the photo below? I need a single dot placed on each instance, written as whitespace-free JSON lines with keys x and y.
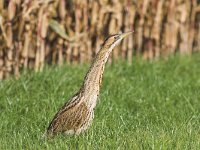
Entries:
{"x":36,"y":32}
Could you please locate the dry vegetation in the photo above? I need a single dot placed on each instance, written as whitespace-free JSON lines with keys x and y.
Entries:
{"x":35,"y":32}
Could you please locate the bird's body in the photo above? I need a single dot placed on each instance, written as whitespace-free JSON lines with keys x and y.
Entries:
{"x":77,"y":114}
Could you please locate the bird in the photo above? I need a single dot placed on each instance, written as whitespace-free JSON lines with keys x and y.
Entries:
{"x":76,"y":115}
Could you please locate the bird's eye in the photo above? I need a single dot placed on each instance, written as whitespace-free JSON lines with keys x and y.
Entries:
{"x":116,"y":37}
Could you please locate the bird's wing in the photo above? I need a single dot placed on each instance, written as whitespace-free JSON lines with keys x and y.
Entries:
{"x":69,"y":116}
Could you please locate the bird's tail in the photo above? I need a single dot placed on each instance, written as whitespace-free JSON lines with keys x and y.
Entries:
{"x":47,"y":135}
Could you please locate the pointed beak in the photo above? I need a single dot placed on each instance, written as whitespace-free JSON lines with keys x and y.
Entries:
{"x":123,"y":35}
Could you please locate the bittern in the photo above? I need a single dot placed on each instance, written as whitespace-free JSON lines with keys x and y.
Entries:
{"x":77,"y":114}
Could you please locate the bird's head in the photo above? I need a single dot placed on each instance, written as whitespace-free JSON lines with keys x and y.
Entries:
{"x":115,"y":39}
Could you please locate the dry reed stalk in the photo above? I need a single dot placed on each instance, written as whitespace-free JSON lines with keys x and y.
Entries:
{"x":130,"y":13}
{"x":1,"y":5}
{"x":171,"y":30}
{"x":82,"y":53}
{"x":57,"y":31}
{"x":59,"y":47}
{"x":25,"y":50}
{"x":89,"y":50}
{"x":183,"y":10}
{"x":1,"y":65}
{"x":68,"y":53}
{"x":17,"y":47}
{"x":157,"y":27}
{"x":75,"y":56}
{"x":198,"y":39}
{"x":40,"y":42}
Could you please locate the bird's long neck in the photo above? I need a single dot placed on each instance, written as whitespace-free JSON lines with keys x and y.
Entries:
{"x":93,"y":77}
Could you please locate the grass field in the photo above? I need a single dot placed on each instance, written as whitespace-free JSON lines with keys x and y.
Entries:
{"x":146,"y":105}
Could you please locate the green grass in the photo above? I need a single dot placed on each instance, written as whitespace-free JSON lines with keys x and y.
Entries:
{"x":146,"y":105}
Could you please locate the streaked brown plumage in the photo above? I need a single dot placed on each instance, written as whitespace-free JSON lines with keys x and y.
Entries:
{"x":76,"y":115}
